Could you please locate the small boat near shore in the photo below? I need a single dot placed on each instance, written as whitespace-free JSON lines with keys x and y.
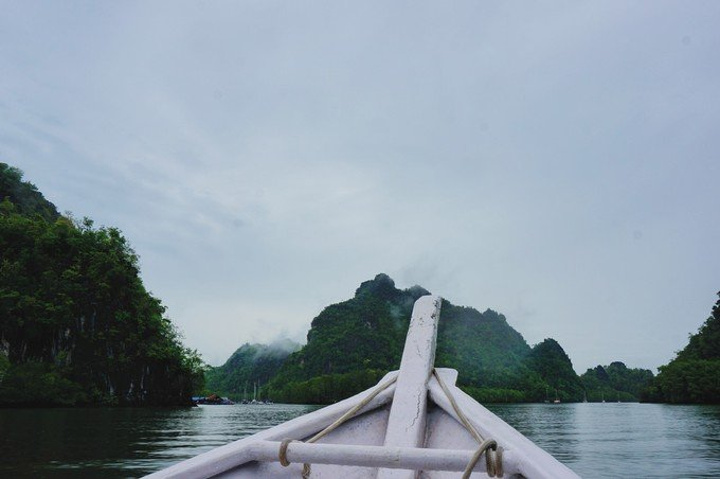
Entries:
{"x":416,"y":423}
{"x":212,"y":400}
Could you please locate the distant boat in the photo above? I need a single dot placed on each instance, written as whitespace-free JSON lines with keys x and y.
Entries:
{"x":415,"y":423}
{"x":212,"y":400}
{"x":557,"y":399}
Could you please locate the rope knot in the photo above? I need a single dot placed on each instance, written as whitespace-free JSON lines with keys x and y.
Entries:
{"x":282,"y":453}
{"x":493,"y":459}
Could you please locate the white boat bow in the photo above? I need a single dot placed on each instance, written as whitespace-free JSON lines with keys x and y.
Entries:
{"x":416,"y":423}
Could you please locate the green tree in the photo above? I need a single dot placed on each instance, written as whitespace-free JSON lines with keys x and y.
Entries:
{"x":75,"y":319}
{"x":694,"y":375}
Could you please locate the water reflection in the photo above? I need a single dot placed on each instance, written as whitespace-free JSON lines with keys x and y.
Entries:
{"x":610,"y":440}
{"x":122,"y":443}
{"x":596,"y":440}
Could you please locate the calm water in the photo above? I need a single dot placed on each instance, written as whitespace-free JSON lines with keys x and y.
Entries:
{"x":596,"y":440}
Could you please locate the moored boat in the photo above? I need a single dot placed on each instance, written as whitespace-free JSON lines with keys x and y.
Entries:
{"x":212,"y":400}
{"x":416,"y":423}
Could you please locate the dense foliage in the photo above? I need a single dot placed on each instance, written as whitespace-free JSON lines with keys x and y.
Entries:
{"x":353,"y":343}
{"x":327,"y":388}
{"x":549,"y":360}
{"x":76,"y":323}
{"x":489,"y":355}
{"x":24,"y":196}
{"x":615,"y":382}
{"x":694,"y":375}
{"x":365,"y":333}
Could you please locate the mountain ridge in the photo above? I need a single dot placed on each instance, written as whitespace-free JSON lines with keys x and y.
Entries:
{"x":351,"y":344}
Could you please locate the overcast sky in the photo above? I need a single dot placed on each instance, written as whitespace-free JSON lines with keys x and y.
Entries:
{"x":557,"y":162}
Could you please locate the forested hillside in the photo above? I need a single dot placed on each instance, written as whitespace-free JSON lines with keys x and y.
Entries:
{"x":77,"y":325}
{"x":353,"y":343}
{"x":250,"y":367}
{"x":552,"y":364}
{"x":22,"y":196}
{"x":615,"y":382}
{"x":694,"y":375}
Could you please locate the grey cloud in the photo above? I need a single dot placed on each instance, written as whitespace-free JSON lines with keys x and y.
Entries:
{"x":554,"y":162}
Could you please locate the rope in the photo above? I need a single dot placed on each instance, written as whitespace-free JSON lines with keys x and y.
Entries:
{"x":352,"y":411}
{"x":493,"y":459}
{"x":457,"y":409}
{"x":282,"y":453}
{"x":493,"y":453}
{"x":489,"y":447}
